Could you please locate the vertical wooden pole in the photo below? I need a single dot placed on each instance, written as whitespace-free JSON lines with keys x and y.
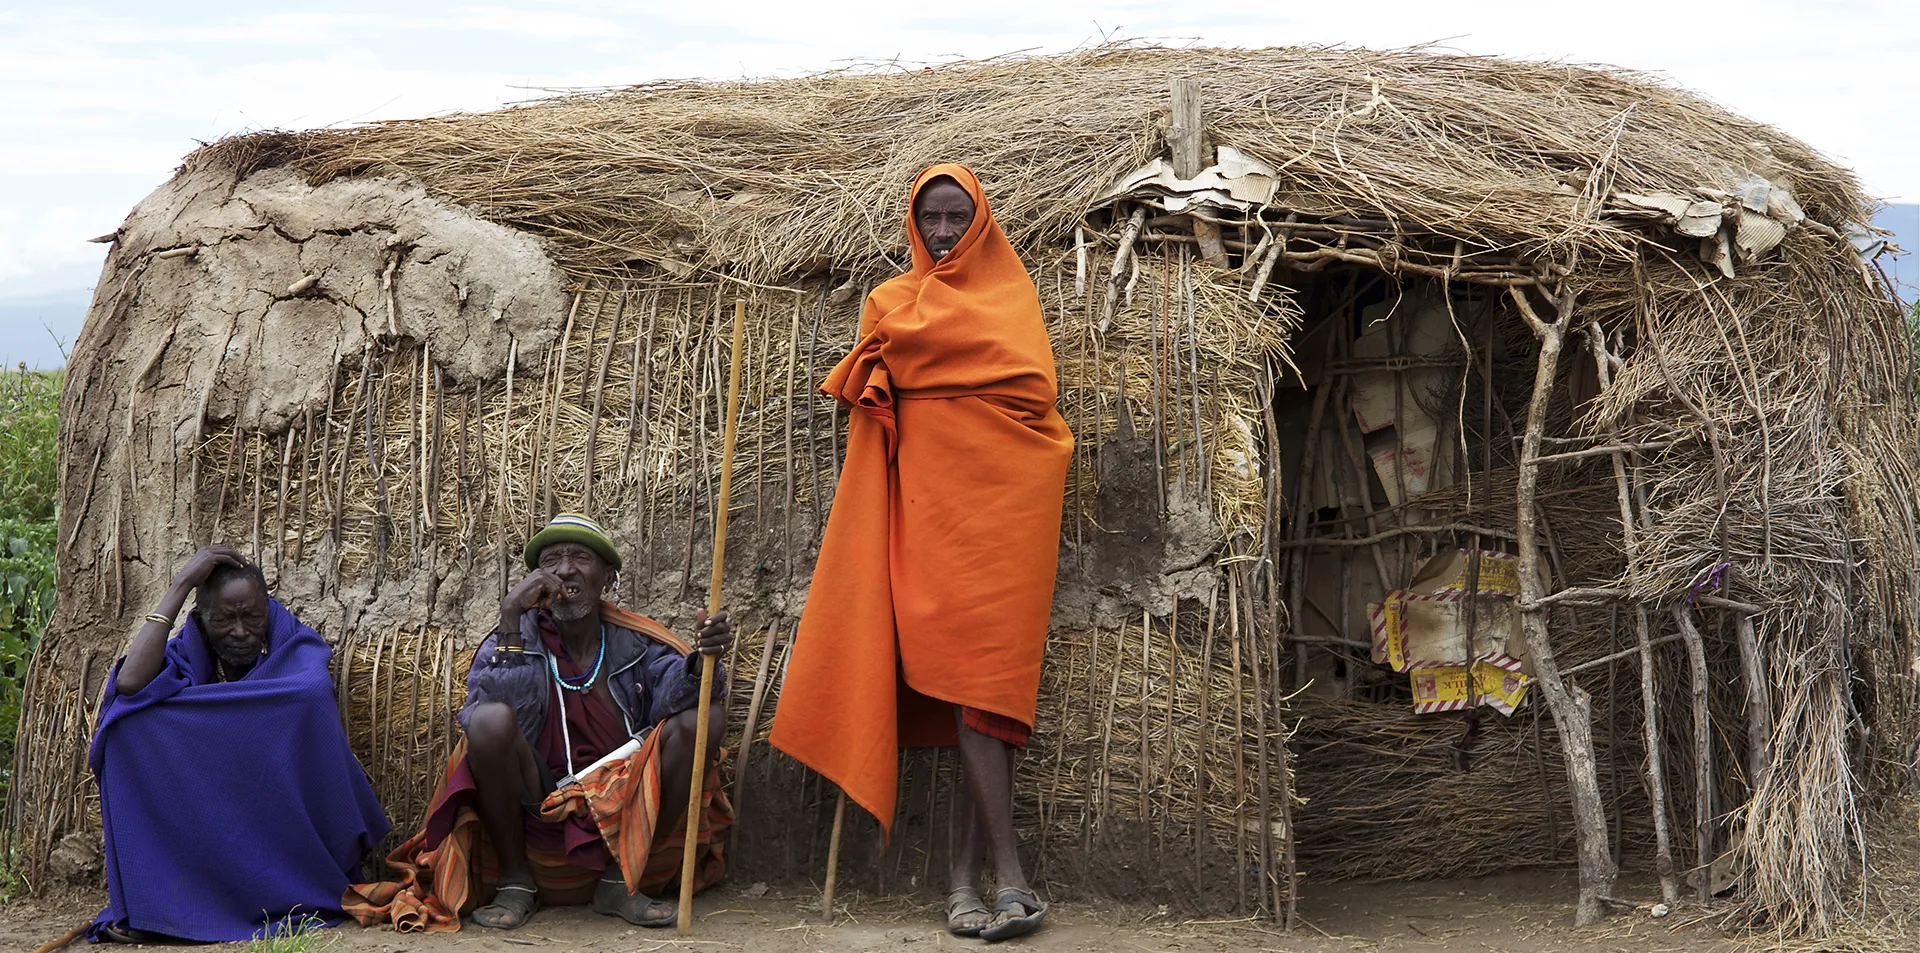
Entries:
{"x":696,"y":787}
{"x":1703,"y":827}
{"x":1753,"y":668}
{"x":1239,"y":743}
{"x":1146,"y":725}
{"x":1570,"y":706}
{"x":833,"y":855}
{"x":753,"y":721}
{"x":1656,"y":769}
{"x":1268,"y":866}
{"x":1205,"y":744}
{"x":1184,"y":138}
{"x":1654,"y":766}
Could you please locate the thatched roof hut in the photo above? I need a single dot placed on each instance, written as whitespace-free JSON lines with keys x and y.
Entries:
{"x":1561,"y":360}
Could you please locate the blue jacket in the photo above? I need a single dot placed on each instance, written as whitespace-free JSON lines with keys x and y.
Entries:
{"x":650,"y":681}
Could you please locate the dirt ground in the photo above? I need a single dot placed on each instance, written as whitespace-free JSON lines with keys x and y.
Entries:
{"x":1512,"y":913}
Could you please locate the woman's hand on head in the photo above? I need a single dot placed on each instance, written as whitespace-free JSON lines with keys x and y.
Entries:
{"x":203,"y":563}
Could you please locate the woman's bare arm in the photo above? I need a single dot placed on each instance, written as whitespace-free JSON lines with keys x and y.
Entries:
{"x":148,"y":652}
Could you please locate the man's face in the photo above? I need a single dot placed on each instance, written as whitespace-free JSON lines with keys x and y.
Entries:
{"x":582,"y":573}
{"x":235,"y":621}
{"x":943,"y":213}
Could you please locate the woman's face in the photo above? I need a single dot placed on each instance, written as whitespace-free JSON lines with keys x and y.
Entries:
{"x":234,"y":621}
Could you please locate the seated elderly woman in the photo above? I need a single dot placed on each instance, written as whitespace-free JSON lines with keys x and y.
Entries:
{"x":231,"y":803}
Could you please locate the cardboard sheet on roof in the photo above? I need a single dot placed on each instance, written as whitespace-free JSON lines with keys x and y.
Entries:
{"x":1735,"y":225}
{"x":1235,"y":180}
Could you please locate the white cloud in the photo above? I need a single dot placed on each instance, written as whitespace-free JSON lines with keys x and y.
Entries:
{"x":25,"y":252}
{"x":547,"y":24}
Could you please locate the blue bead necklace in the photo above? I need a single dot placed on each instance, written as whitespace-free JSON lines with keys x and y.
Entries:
{"x":591,"y":677}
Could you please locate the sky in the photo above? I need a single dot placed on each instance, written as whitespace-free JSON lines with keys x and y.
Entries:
{"x":106,"y":97}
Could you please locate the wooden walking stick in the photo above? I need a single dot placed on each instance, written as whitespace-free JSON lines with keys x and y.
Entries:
{"x":833,"y":854}
{"x":698,"y":785}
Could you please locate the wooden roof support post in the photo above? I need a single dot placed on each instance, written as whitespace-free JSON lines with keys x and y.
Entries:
{"x":1653,"y":765}
{"x":1186,"y":141}
{"x":1185,"y":137}
{"x":1572,"y":708}
{"x":1703,"y":812}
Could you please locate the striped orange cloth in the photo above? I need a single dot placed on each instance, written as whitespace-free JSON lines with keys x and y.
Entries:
{"x":437,"y":884}
{"x":995,"y":725}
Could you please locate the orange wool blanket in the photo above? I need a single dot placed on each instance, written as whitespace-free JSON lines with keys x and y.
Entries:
{"x":935,"y":577}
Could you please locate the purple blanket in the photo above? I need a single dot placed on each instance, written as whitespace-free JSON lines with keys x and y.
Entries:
{"x":230,"y":807}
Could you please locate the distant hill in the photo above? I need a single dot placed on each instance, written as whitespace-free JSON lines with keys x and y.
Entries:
{"x":26,"y":320}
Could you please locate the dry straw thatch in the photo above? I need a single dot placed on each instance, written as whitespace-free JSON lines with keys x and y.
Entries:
{"x":1751,"y":424}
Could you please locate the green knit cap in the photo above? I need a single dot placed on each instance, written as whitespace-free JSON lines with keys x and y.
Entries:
{"x":572,"y":528}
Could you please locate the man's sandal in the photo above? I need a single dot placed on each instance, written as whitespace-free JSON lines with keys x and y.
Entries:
{"x":967,"y":914}
{"x":119,"y":932}
{"x":1017,"y":912}
{"x":513,"y":905}
{"x":610,"y":898}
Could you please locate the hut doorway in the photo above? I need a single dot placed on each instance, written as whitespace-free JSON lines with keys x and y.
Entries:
{"x":1396,"y":570}
{"x":1421,"y":742}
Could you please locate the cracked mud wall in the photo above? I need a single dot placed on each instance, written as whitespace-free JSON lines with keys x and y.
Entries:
{"x":231,"y":307}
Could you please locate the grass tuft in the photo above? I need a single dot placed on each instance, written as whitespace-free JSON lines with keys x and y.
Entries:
{"x":305,"y":935}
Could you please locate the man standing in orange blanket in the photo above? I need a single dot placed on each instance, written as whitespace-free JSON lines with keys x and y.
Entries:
{"x":928,"y":615}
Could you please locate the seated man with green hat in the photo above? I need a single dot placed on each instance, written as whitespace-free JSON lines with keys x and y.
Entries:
{"x":525,"y":814}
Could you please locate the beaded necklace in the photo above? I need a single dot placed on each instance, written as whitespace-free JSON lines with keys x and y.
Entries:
{"x":591,"y":677}
{"x":566,"y":737}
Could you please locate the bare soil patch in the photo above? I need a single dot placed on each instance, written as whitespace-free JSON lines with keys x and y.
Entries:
{"x":1511,"y":913}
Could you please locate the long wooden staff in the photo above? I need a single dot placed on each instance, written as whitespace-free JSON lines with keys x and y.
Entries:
{"x":698,"y":785}
{"x":833,"y":854}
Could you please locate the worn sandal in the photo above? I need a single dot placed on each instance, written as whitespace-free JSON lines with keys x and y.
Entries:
{"x":610,"y":898}
{"x":119,"y":932}
{"x":967,"y":914}
{"x":515,"y":903}
{"x":1008,"y":920}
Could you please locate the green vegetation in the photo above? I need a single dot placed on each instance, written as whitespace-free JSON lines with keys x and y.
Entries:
{"x":308,"y":935}
{"x":29,"y":477}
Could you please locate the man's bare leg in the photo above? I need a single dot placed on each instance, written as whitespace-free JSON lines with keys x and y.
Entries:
{"x":967,"y":913}
{"x":676,"y":759}
{"x":968,"y":855}
{"x":504,"y":776}
{"x":610,"y":896}
{"x":989,"y":767}
{"x":989,"y":783}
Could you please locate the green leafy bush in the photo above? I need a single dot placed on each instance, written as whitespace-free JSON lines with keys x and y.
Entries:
{"x":29,"y":432}
{"x":26,"y":603}
{"x":29,"y":483}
